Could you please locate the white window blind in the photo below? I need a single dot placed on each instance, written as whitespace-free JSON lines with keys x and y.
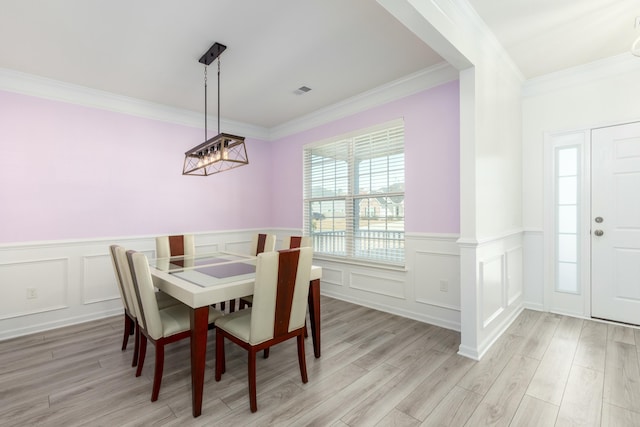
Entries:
{"x":354,"y":195}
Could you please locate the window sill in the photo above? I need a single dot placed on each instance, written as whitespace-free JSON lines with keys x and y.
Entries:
{"x":360,"y":263}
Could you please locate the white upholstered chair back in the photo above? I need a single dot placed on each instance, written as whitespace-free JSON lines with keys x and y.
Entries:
{"x":120,"y":265}
{"x":262,"y":243}
{"x":179,"y":245}
{"x":146,"y":303}
{"x":280,"y":293}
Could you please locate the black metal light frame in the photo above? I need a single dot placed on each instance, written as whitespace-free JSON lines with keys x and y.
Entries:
{"x":222,"y":152}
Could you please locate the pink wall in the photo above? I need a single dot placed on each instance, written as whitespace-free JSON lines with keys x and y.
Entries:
{"x":72,"y":172}
{"x":432,"y":151}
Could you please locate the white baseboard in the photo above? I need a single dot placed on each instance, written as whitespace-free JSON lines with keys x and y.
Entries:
{"x":49,"y":325}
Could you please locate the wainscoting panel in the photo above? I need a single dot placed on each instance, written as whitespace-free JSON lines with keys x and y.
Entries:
{"x":533,"y":270}
{"x":75,"y":283}
{"x":492,"y":287}
{"x":412,"y":291}
{"x":207,"y":248}
{"x":514,"y":274}
{"x":30,"y":287}
{"x":437,"y":279}
{"x":98,"y":281}
{"x":331,"y":276}
{"x":241,"y":246}
{"x":492,"y":268}
{"x":378,"y":284}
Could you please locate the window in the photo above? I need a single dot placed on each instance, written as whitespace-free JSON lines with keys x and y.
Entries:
{"x":354,"y":195}
{"x":567,"y":209}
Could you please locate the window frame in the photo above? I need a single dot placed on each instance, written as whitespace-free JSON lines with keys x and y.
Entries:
{"x":392,"y":253}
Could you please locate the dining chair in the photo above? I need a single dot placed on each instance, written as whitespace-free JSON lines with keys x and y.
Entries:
{"x":262,"y":243}
{"x":278,"y":312}
{"x":288,"y":242}
{"x":129,"y":313}
{"x":160,"y":326}
{"x":292,"y":242}
{"x":178,"y":245}
{"x":123,"y":278}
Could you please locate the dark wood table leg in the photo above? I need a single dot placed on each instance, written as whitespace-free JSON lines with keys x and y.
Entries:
{"x":199,"y":329}
{"x":314,"y":314}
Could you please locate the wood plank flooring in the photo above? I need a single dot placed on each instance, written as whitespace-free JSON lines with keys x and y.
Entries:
{"x":376,"y":370}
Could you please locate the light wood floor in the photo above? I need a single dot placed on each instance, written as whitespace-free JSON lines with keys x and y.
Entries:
{"x":376,"y":370}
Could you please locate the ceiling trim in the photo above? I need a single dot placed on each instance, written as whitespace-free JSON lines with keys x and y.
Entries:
{"x":581,"y":74}
{"x":41,"y":87}
{"x":397,"y":89}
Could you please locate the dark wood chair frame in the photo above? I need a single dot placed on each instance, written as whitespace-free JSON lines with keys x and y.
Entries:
{"x":253,"y":350}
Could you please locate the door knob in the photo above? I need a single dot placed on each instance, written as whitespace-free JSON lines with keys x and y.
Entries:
{"x":598,"y":232}
{"x":599,"y":219}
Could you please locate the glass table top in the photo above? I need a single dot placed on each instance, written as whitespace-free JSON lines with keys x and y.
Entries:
{"x":208,"y":269}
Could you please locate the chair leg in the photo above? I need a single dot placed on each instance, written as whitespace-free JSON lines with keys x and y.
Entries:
{"x":232,"y":306}
{"x":157,"y":376}
{"x":253,"y":404}
{"x":301,"y":359}
{"x":265,"y":353}
{"x":222,"y":305}
{"x":127,"y":331}
{"x":143,"y":353}
{"x":219,"y":355}
{"x":242,"y":304}
{"x":136,"y":347}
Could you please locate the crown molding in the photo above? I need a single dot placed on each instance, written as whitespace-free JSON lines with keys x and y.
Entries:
{"x":397,"y":89}
{"x":483,"y":32}
{"x":28,"y":84}
{"x":42,"y":87}
{"x":596,"y":70}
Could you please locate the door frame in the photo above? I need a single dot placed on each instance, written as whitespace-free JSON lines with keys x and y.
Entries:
{"x":578,"y":305}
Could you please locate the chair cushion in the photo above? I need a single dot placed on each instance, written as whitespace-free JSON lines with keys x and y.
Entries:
{"x":237,"y":324}
{"x":176,"y":318}
{"x":165,"y":300}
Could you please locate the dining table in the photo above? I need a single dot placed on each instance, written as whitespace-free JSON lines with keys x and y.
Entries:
{"x":202,"y":280}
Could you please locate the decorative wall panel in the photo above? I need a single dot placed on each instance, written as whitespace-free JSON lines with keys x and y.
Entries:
{"x":98,"y":279}
{"x":36,"y":286}
{"x":514,"y":275}
{"x":378,"y":284}
{"x":492,"y":288}
{"x":437,"y":279}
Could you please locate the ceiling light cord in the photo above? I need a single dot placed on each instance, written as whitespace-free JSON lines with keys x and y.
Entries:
{"x":218,"y":95}
{"x":206,"y":134}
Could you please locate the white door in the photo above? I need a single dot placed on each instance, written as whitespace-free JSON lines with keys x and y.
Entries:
{"x":615,"y":223}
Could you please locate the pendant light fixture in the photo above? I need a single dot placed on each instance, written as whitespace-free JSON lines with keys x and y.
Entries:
{"x":223,"y":151}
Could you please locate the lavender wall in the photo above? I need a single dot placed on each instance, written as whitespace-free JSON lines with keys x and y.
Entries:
{"x":72,"y":172}
{"x":432,"y":151}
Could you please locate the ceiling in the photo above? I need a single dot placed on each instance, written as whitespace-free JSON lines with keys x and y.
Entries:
{"x":149,"y":49}
{"x":543,"y":36}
